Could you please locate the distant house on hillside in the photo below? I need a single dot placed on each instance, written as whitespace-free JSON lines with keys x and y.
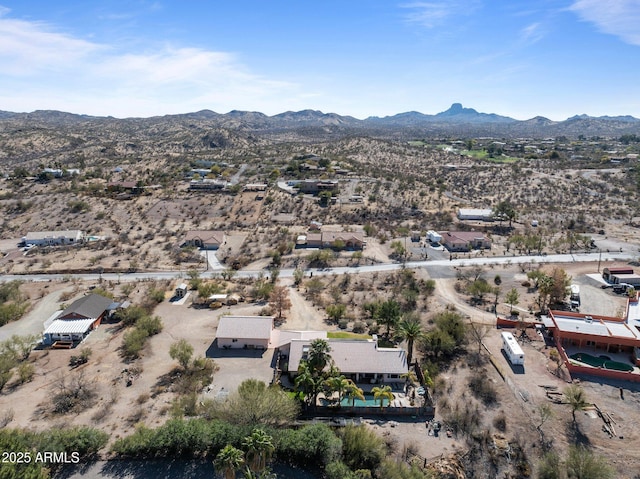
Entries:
{"x":124,"y":186}
{"x":334,"y":239}
{"x":204,"y":239}
{"x":54,"y":238}
{"x":208,"y":185}
{"x":463,"y":241}
{"x":316,"y":186}
{"x":255,"y":187}
{"x":475,"y":214}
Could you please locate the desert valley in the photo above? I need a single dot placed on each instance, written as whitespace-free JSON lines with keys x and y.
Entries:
{"x":188,"y":287}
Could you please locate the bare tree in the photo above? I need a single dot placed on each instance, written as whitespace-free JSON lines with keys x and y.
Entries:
{"x":478,"y":332}
{"x":279,"y":300}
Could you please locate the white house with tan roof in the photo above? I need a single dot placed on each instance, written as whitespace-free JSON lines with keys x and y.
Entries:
{"x":204,"y":239}
{"x":54,"y":238}
{"x":360,"y":360}
{"x":331,"y":239}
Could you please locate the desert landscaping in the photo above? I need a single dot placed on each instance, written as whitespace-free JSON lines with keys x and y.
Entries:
{"x":330,"y":238}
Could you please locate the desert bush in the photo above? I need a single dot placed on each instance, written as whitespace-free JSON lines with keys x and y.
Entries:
{"x":133,"y":342}
{"x":362,"y":448}
{"x":463,"y":419}
{"x":178,"y":437}
{"x":196,"y":376}
{"x":6,"y":418}
{"x":150,"y":325}
{"x":483,"y":389}
{"x":254,"y":403}
{"x":390,"y":469}
{"x":129,"y":316}
{"x":359,"y":327}
{"x":11,"y":312}
{"x":181,"y":351}
{"x":338,"y":470}
{"x":315,"y":446}
{"x":500,"y":422}
{"x":85,"y":441}
{"x":26,"y":371}
{"x":343,"y":323}
{"x":72,"y":394}
{"x":156,"y":295}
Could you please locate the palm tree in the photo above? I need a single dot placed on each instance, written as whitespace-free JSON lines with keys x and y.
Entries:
{"x":228,"y":461}
{"x":353,"y":392}
{"x":576,"y":398}
{"x":409,"y":377}
{"x":382,"y":393}
{"x":318,"y":356}
{"x":259,"y":446}
{"x":389,"y":314}
{"x":308,"y":383}
{"x":266,"y":474}
{"x":410,"y":330}
{"x":337,"y":384}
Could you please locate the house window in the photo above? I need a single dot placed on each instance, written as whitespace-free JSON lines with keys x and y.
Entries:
{"x":591,"y":343}
{"x":234,"y":340}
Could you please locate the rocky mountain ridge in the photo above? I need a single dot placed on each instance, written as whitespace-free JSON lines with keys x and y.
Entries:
{"x":456,"y":121}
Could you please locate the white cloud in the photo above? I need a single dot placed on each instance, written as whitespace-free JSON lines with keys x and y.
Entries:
{"x":532,"y":33}
{"x":432,"y":14}
{"x":31,"y":47}
{"x":46,"y":69}
{"x":615,"y":17}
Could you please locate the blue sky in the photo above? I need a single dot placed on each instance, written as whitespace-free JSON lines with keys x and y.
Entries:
{"x":554,"y":58}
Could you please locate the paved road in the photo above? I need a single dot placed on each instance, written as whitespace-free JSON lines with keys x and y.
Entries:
{"x":285,"y":273}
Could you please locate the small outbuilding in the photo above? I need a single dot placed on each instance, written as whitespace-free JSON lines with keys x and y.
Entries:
{"x":181,"y":290}
{"x":624,"y":274}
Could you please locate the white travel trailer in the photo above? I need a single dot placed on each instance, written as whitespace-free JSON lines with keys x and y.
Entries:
{"x":433,"y":236}
{"x":512,"y":349}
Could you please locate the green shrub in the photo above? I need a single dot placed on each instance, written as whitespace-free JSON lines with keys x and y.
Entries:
{"x":156,"y":295}
{"x":338,"y":470}
{"x":26,"y":372}
{"x":133,"y":342}
{"x":150,"y":325}
{"x":362,"y":448}
{"x":313,"y":446}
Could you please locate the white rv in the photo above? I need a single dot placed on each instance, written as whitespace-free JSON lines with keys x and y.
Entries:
{"x":575,"y":296}
{"x":433,"y":236}
{"x":512,"y":349}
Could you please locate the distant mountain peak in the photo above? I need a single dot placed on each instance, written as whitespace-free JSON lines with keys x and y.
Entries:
{"x":469,"y":115}
{"x":458,"y":109}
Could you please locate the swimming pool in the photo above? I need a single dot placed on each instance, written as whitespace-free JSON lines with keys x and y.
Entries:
{"x":599,"y":362}
{"x":369,"y":401}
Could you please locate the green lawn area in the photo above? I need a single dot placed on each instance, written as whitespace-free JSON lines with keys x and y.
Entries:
{"x":416,"y":143}
{"x":347,"y":335}
{"x":483,"y":155}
